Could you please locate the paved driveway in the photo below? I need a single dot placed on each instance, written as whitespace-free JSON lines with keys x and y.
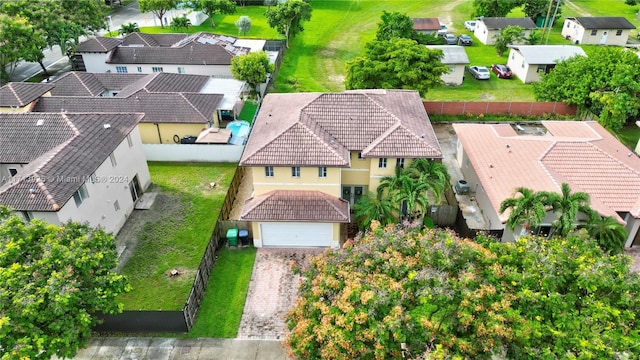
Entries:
{"x":272,"y":292}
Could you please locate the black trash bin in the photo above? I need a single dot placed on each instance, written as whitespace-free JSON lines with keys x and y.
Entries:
{"x":243,"y":235}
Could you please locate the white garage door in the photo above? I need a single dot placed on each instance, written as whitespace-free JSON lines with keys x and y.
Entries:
{"x":296,"y":234}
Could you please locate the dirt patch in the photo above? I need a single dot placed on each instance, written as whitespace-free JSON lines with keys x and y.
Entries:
{"x":245,"y":190}
{"x":165,"y":205}
{"x":180,"y":274}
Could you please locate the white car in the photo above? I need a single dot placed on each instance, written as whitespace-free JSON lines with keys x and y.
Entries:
{"x":443,"y":29}
{"x":470,"y":25}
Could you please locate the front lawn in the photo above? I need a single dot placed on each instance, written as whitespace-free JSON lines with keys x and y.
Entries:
{"x":176,"y":239}
{"x":629,"y":135}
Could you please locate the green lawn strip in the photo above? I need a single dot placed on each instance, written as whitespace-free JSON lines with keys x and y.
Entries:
{"x":629,"y":135}
{"x":176,"y":241}
{"x":248,"y":111}
{"x":221,"y":310}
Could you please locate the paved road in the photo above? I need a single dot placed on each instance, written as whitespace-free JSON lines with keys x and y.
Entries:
{"x":55,"y":62}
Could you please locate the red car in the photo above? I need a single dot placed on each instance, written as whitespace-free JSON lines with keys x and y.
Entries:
{"x":502,"y":71}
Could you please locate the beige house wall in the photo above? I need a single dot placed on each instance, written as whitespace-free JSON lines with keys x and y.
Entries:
{"x":580,"y":35}
{"x":308,"y":180}
{"x":164,"y":133}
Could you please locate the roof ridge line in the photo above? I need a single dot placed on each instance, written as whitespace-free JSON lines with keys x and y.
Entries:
{"x":328,"y":146}
{"x":10,"y":86}
{"x":193,"y":106}
{"x":326,"y":196}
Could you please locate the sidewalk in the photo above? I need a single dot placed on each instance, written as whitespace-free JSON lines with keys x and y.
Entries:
{"x":129,"y":348}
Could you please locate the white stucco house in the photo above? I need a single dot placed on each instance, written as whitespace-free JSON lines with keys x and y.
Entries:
{"x":138,"y":53}
{"x":496,"y":159}
{"x":528,"y":62}
{"x":605,"y":30}
{"x":455,"y":57}
{"x":488,"y":27}
{"x":72,"y":166}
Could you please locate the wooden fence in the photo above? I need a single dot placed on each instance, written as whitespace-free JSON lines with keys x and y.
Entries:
{"x":490,"y":107}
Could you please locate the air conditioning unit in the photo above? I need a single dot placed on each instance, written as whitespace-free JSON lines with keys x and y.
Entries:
{"x":462,"y":187}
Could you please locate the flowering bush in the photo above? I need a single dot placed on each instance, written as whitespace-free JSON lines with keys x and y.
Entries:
{"x":429,"y":294}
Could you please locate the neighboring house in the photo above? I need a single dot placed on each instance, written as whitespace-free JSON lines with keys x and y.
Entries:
{"x":81,"y":167}
{"x":488,"y":27}
{"x":613,"y":30}
{"x":426,"y":25}
{"x":455,"y":57}
{"x":528,"y":62}
{"x":313,"y":155}
{"x":18,"y":97}
{"x":498,"y":158}
{"x":200,"y":53}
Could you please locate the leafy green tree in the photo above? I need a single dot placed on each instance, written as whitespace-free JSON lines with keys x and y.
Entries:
{"x":400,"y":293}
{"x":128,"y":28}
{"x":180,"y":22}
{"x":374,"y":207}
{"x":252,"y":68}
{"x":243,"y":24}
{"x":20,"y":41}
{"x":213,"y":7}
{"x":396,"y":64}
{"x":608,"y":233}
{"x":287,"y":17}
{"x":494,"y":8}
{"x":157,"y":7}
{"x":605,"y":83}
{"x":508,"y":36}
{"x":534,"y":38}
{"x":54,"y":280}
{"x":566,"y":206}
{"x":539,"y":8}
{"x":394,"y":25}
{"x":528,"y":208}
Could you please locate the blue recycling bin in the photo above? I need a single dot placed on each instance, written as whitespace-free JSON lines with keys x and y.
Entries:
{"x":243,"y":235}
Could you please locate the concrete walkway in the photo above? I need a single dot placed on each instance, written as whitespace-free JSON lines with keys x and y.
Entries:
{"x":127,"y":348}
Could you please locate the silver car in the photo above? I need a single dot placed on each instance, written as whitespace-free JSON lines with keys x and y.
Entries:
{"x":479,"y":72}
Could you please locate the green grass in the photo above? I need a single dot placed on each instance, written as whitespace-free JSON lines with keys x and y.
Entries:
{"x":178,"y":240}
{"x":221,"y":310}
{"x":248,"y":111}
{"x":629,"y":135}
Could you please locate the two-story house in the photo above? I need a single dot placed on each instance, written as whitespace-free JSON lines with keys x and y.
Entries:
{"x":82,"y":167}
{"x":313,"y":155}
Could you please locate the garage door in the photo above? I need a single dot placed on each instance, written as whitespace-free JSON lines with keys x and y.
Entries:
{"x":296,"y":234}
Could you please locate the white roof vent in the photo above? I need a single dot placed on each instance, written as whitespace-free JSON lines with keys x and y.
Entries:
{"x":106,"y":126}
{"x":39,"y":122}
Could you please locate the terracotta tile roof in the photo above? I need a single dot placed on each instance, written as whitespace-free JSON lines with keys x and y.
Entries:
{"x":378,"y":123}
{"x":166,"y":82}
{"x":138,"y":38}
{"x":156,"y":107}
{"x":20,"y":94}
{"x":80,"y":83}
{"x":582,"y":154}
{"x":604,"y":22}
{"x":79,"y":144}
{"x":296,"y":205}
{"x":98,"y":44}
{"x":426,"y":24}
{"x":497,"y":23}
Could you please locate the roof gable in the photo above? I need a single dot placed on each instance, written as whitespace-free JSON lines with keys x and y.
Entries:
{"x":98,"y":44}
{"x":604,"y":22}
{"x":426,"y":24}
{"x":296,"y":205}
{"x":547,"y":54}
{"x":19,"y":94}
{"x":452,"y":54}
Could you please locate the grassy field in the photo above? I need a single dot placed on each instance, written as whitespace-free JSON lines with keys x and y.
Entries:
{"x":178,"y":237}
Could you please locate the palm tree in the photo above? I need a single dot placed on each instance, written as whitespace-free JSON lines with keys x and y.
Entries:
{"x":180,"y":22}
{"x":371,"y":207}
{"x":608,"y":233}
{"x":432,"y":173}
{"x":390,"y":184}
{"x":566,"y":207}
{"x":129,"y":28}
{"x":413,"y":193}
{"x":528,"y":208}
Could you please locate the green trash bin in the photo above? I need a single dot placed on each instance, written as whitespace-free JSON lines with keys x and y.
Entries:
{"x":232,"y":237}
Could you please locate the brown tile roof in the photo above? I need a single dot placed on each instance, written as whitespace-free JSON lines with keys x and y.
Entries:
{"x":98,"y":44}
{"x":79,"y":145}
{"x":604,"y":22}
{"x":497,"y":23}
{"x":165,"y":40}
{"x":166,"y":82}
{"x":582,"y":154}
{"x":378,"y":123}
{"x":426,"y":24}
{"x":296,"y":205}
{"x":80,"y":83}
{"x":156,"y":107}
{"x":20,"y":94}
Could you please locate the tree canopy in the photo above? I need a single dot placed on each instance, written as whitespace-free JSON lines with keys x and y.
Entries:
{"x":396,"y":64}
{"x":212,"y":7}
{"x":398,"y":293}
{"x":500,"y":8}
{"x":506,"y":37}
{"x":606,"y":82}
{"x":243,"y":24}
{"x":157,"y":7}
{"x":287,"y":17}
{"x":54,"y":280}
{"x":252,"y":68}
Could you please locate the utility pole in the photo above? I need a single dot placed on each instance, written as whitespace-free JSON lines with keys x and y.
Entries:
{"x":546,"y":19}
{"x":555,"y":12}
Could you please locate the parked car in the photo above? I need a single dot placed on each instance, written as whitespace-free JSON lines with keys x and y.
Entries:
{"x":502,"y":71}
{"x":470,"y":25}
{"x":450,"y":39}
{"x":443,"y":29}
{"x":479,"y":72}
{"x":465,"y":40}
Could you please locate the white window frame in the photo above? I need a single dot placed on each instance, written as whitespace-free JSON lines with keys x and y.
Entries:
{"x":268,"y":171}
{"x":122,"y":70}
{"x":360,"y":156}
{"x":295,"y":171}
{"x":322,"y":171}
{"x":400,"y":163}
{"x":81,"y":195}
{"x":157,"y":69}
{"x":181,"y":70}
{"x":139,"y":69}
{"x":382,"y":163}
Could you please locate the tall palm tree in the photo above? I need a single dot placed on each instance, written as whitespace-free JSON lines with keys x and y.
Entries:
{"x":566,"y":206}
{"x":373,"y":207}
{"x":390,"y":184}
{"x":413,"y":193}
{"x":432,"y":173}
{"x":528,"y":208}
{"x":608,"y":233}
{"x":128,"y":28}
